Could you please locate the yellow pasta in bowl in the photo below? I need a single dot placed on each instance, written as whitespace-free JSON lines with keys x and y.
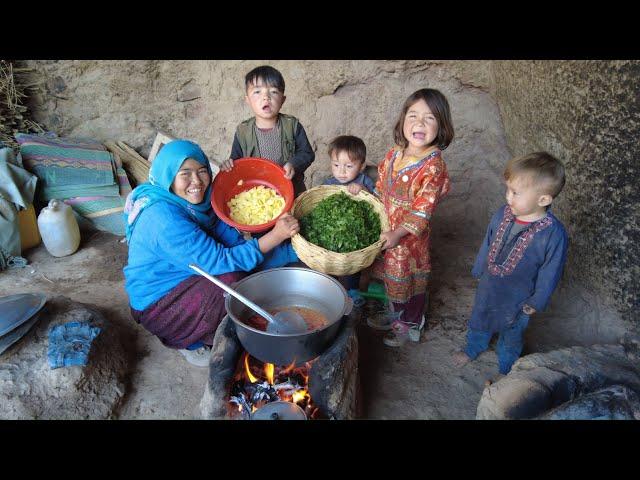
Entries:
{"x":256,"y":206}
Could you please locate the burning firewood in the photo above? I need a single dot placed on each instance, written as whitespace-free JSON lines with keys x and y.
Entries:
{"x":289,"y":384}
{"x":240,"y":400}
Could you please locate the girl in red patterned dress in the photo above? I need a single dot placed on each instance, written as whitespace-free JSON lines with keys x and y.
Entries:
{"x":412,"y":180}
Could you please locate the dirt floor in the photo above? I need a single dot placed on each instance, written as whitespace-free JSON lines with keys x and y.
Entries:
{"x":415,"y":382}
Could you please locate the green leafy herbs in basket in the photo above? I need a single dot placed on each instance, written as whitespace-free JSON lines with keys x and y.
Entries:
{"x":341,"y":224}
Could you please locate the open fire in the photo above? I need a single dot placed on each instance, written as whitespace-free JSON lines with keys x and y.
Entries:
{"x":328,"y":387}
{"x":256,"y":384}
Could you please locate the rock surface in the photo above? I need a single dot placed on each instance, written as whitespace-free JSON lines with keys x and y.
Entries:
{"x":543,"y":381}
{"x":612,"y":403}
{"x":30,"y":389}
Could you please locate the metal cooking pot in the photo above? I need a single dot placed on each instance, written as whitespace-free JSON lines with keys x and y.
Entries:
{"x":289,"y":287}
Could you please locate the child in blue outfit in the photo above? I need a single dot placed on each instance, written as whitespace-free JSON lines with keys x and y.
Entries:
{"x":348,"y":155}
{"x":520,"y":260}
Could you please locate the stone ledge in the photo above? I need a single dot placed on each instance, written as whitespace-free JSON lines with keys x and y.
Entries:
{"x":543,"y":381}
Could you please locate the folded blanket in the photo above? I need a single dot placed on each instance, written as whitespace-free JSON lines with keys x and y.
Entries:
{"x":68,"y":167}
{"x":103,"y":213}
{"x":81,"y":172}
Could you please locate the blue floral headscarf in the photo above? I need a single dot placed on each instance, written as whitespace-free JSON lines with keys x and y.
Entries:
{"x":158,"y":189}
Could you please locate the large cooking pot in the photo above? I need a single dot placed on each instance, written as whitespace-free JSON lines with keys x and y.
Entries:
{"x":289,"y":287}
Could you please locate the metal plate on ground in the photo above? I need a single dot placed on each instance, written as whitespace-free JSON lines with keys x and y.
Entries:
{"x":18,"y":309}
{"x":16,"y":334}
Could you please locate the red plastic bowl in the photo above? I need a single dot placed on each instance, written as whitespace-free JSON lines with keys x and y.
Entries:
{"x":252,"y":172}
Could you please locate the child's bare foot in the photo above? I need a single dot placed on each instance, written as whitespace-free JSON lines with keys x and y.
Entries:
{"x":460,"y":359}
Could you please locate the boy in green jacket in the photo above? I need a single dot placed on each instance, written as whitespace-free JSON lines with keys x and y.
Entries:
{"x":271,"y":134}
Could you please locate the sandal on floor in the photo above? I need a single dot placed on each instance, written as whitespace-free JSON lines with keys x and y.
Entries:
{"x":198,"y":357}
{"x":398,"y":335}
{"x":402,"y":331}
{"x":383,"y":320}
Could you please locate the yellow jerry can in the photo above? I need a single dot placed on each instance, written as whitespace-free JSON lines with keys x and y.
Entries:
{"x":28,"y":227}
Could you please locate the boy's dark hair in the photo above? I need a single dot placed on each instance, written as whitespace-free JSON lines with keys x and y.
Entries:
{"x":269,"y":75}
{"x":544,"y":170}
{"x":354,"y":146}
{"x":439,"y":106}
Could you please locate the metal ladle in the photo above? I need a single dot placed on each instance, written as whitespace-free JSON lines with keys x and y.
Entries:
{"x":284,"y":322}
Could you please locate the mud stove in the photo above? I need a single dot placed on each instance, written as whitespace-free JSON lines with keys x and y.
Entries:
{"x":239,"y":386}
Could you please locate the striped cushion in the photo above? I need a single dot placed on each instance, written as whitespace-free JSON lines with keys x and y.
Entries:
{"x":82,"y":172}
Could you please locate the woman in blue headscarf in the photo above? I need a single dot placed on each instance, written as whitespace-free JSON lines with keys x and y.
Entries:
{"x":170,"y":224}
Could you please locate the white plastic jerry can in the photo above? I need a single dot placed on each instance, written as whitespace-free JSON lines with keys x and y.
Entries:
{"x":59,"y":229}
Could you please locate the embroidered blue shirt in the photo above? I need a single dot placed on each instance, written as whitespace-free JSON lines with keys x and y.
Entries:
{"x":522,"y":270}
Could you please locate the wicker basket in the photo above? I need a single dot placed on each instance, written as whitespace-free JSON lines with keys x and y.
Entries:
{"x":324,"y":260}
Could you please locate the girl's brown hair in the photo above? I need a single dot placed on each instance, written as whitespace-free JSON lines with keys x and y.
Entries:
{"x":439,"y":106}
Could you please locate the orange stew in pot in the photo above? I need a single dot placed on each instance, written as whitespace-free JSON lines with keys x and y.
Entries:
{"x":314,"y":319}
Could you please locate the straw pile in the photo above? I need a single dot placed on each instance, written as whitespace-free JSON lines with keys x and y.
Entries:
{"x":136,"y":166}
{"x":14,"y":82}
